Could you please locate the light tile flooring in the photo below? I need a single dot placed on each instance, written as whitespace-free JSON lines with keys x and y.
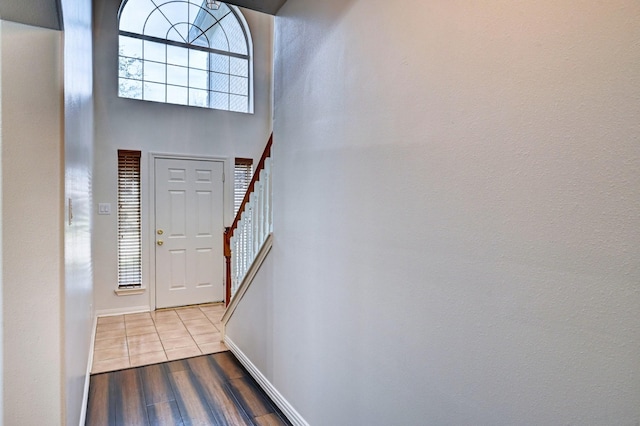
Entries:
{"x":133,"y":340}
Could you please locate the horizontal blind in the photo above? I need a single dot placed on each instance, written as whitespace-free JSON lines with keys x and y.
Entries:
{"x":129,"y":220}
{"x":243,"y":173}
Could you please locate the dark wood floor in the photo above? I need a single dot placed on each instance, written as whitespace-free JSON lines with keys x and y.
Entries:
{"x":206,"y":390}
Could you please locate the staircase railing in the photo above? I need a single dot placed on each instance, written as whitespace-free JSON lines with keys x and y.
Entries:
{"x":251,"y":226}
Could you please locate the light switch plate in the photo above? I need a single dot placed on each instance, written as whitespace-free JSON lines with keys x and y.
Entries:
{"x":104,"y":208}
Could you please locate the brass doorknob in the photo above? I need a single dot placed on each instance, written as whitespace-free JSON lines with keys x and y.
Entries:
{"x":160,"y":232}
{"x":160,"y":242}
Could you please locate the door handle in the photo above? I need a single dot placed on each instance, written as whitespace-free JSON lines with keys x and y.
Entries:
{"x":160,"y":232}
{"x":160,"y":242}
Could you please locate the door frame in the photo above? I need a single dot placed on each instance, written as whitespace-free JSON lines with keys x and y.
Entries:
{"x":150,"y":239}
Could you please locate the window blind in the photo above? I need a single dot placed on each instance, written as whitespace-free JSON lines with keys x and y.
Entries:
{"x":129,"y":220}
{"x":243,"y":173}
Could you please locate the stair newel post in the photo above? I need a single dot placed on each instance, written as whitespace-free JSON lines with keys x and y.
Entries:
{"x":227,"y":255}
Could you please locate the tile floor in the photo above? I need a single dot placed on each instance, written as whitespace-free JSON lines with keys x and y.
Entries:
{"x":133,"y":340}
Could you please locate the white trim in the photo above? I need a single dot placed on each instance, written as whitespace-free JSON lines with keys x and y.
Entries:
{"x":284,"y":405}
{"x":149,"y":240}
{"x":130,"y":291}
{"x":122,"y":311}
{"x":248,"y":279}
{"x":87,"y":377}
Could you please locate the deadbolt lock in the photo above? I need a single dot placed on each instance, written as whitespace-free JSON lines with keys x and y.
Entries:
{"x":160,"y":232}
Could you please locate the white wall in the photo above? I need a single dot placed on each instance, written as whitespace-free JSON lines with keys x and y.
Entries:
{"x":32,"y":217}
{"x":78,"y":150}
{"x":456,"y":213}
{"x":162,"y":128}
{"x":1,"y":257}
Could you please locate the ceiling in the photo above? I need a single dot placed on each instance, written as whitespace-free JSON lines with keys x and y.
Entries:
{"x":39,"y":13}
{"x":266,"y":6}
{"x":46,"y":13}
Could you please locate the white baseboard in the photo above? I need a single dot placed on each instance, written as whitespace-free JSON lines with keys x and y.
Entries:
{"x":121,"y":311}
{"x":288,"y":410}
{"x":87,"y":377}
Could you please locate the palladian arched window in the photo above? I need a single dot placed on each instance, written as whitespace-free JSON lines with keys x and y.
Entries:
{"x":187,"y":52}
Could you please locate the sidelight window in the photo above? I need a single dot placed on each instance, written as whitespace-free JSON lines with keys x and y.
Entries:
{"x":129,"y":220}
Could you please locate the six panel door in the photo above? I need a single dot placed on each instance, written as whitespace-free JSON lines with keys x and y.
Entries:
{"x":188,"y":232}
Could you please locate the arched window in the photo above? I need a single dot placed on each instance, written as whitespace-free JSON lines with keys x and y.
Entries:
{"x":189,"y":52}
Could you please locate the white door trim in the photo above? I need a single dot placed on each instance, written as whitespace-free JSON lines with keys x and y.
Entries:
{"x":150,"y":226}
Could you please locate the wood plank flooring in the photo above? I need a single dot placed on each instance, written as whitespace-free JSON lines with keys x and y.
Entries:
{"x":206,"y":390}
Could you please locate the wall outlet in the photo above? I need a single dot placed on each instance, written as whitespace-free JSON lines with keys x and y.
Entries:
{"x":104,"y":208}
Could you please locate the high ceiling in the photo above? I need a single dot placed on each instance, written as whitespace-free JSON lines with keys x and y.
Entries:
{"x":267,"y":6}
{"x":46,"y":13}
{"x":39,"y":13}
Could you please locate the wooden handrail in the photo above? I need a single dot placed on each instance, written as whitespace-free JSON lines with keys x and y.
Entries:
{"x":228,"y":233}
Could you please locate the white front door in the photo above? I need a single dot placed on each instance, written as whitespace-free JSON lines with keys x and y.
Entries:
{"x":188,"y":232}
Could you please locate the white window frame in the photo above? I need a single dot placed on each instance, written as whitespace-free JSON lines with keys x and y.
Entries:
{"x":249,"y":57}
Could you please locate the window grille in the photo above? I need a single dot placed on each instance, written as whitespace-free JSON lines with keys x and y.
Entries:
{"x":129,"y":220}
{"x":183,"y":52}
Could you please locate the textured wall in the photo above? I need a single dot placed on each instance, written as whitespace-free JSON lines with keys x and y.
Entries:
{"x":32,"y":221}
{"x":457,"y":204}
{"x":162,"y":128}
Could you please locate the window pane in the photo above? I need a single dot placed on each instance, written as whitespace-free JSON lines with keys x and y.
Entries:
{"x":238,"y":103}
{"x":235,"y":35}
{"x":176,"y":35}
{"x":154,"y":92}
{"x":177,"y":95}
{"x":239,"y":67}
{"x":219,"y":100}
{"x":198,"y":59}
{"x":238,"y":85}
{"x":219,"y":63}
{"x":134,"y":14}
{"x":154,"y":51}
{"x":198,"y":38}
{"x":177,"y":12}
{"x":157,"y":25}
{"x":198,"y":97}
{"x":219,"y":82}
{"x":129,"y":88}
{"x":177,"y":56}
{"x":131,"y":47}
{"x":177,"y":75}
{"x":196,"y":14}
{"x":130,"y":68}
{"x":154,"y":71}
{"x":218,"y":39}
{"x":198,"y":79}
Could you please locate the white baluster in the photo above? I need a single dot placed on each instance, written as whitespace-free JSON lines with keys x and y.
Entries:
{"x":254,"y":226}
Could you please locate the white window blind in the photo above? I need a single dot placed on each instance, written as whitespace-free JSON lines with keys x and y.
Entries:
{"x":129,"y":219}
{"x":243,"y":173}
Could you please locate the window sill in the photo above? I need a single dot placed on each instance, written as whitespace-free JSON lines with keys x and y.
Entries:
{"x":130,"y":291}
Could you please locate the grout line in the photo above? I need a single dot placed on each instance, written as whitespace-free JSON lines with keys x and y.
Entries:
{"x":180,"y":320}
